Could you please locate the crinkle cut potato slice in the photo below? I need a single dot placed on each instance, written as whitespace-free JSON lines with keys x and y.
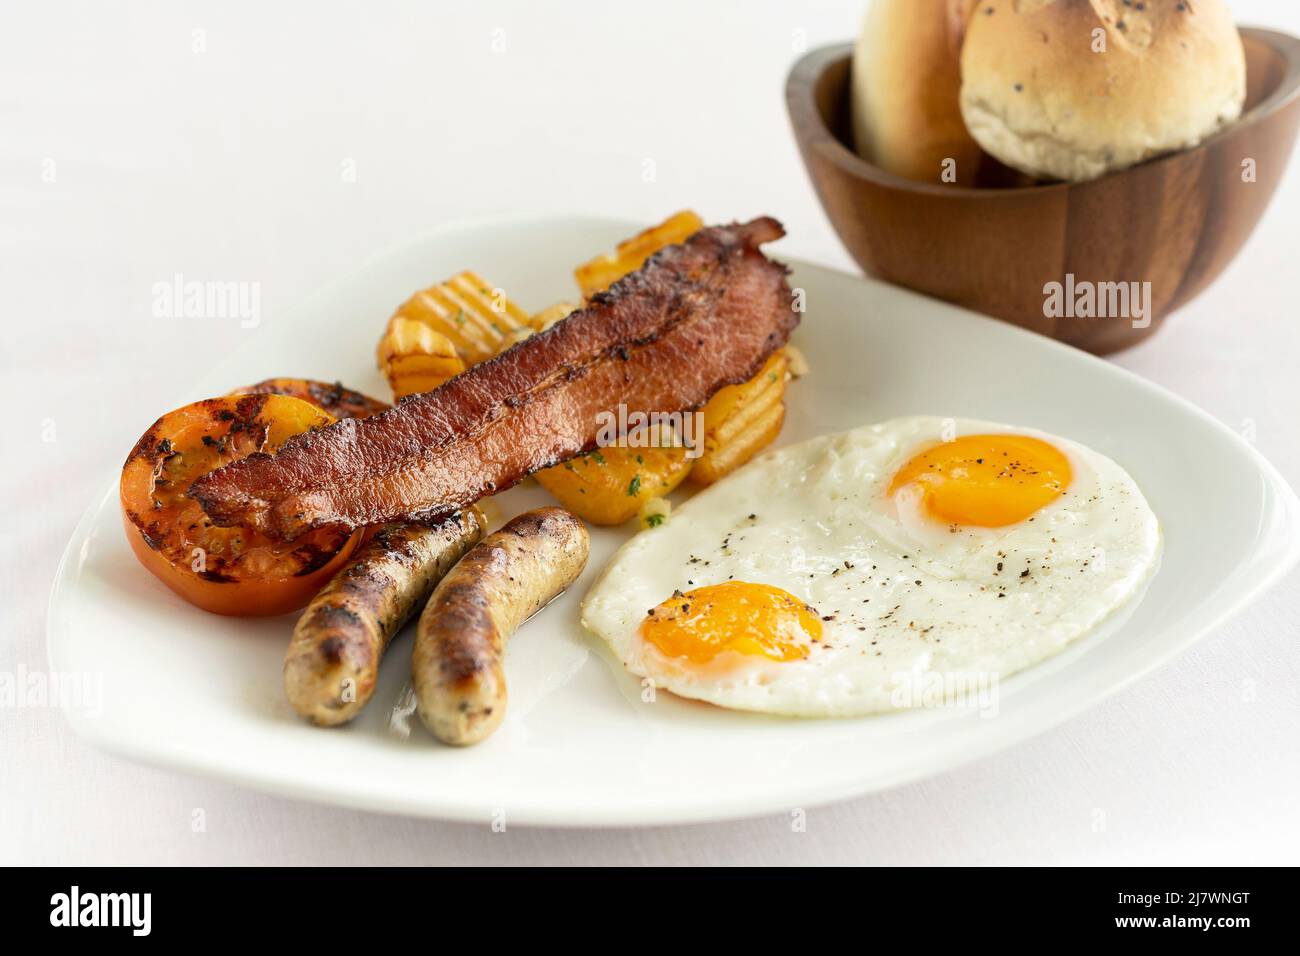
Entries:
{"x":444,"y":329}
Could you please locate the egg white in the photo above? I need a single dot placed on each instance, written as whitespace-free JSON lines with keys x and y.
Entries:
{"x":906,"y":602}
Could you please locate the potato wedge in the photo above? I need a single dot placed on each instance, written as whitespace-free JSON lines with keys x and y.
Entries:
{"x":741,"y":420}
{"x":444,"y":329}
{"x":609,"y":485}
{"x":414,"y":358}
{"x":603,"y":271}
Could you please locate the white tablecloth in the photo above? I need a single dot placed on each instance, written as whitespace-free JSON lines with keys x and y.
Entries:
{"x":251,"y":141}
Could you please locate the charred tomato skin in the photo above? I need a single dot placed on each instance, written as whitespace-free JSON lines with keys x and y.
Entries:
{"x":335,"y":398}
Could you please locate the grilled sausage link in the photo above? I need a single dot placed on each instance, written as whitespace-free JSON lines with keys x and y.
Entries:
{"x":458,"y":663}
{"x":332,"y":663}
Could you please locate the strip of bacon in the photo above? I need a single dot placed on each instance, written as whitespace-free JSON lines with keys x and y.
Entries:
{"x":694,"y":318}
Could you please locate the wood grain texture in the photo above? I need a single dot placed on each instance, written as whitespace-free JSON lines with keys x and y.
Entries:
{"x":992,"y":240}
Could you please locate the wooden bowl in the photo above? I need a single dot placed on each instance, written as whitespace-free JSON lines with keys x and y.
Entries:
{"x":1175,"y":221}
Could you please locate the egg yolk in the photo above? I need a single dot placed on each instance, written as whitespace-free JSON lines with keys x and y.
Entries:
{"x":734,"y":616}
{"x":986,"y":480}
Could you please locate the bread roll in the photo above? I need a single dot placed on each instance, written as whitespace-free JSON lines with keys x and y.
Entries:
{"x":905,"y":86}
{"x":1073,"y":89}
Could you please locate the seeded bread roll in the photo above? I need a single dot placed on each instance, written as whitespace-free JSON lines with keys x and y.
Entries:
{"x":1074,"y":89}
{"x":905,"y":85}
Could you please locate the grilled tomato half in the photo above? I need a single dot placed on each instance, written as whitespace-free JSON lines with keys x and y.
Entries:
{"x":234,"y":571}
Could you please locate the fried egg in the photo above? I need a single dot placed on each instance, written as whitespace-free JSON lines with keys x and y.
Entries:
{"x":834,"y":577}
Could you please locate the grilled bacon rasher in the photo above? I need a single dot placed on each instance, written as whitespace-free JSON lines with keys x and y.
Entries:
{"x":695,"y":318}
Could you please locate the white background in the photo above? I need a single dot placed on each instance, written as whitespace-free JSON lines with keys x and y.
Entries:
{"x":228,"y":163}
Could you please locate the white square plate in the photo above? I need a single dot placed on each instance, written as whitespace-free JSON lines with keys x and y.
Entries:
{"x":202,"y":693}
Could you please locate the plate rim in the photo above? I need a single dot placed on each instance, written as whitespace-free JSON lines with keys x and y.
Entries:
{"x":1275,"y":554}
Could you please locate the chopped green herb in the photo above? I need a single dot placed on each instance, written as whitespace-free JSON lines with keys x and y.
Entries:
{"x":654,"y":521}
{"x":634,"y":486}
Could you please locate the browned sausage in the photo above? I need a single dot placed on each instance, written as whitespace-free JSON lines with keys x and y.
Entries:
{"x":333,"y":660}
{"x":457,"y":666}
